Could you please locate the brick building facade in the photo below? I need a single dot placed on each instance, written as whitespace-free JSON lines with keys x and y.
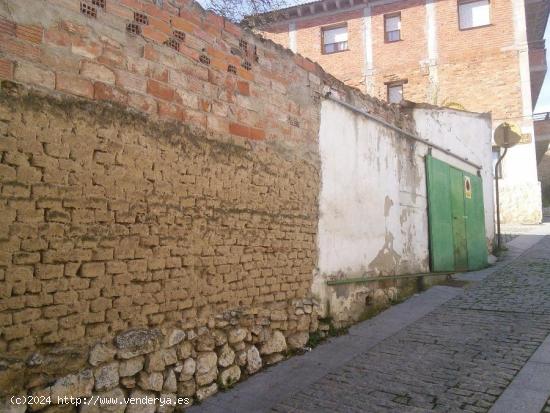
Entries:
{"x":483,"y":56}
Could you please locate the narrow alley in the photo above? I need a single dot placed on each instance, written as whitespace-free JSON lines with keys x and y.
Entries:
{"x":481,"y":348}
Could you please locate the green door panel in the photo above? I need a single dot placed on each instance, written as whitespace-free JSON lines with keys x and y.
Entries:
{"x":477,"y":245}
{"x":439,"y":214}
{"x":458,"y":219}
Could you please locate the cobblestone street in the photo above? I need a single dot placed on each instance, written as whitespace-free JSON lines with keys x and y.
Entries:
{"x":459,"y":357}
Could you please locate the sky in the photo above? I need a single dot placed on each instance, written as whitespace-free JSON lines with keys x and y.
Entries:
{"x":543,"y":103}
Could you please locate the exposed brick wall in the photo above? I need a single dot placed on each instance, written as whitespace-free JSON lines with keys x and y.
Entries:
{"x":401,"y":60}
{"x":309,"y":42}
{"x":475,"y":67}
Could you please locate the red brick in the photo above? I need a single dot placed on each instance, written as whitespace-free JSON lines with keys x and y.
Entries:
{"x":205,"y":105}
{"x":190,"y":17}
{"x":86,"y":48}
{"x":150,"y":53}
{"x":151,"y":33}
{"x":174,"y":11}
{"x":243,"y":88}
{"x":6,"y":69}
{"x":120,"y":11}
{"x":215,"y":20}
{"x":103,"y":91}
{"x":58,"y":37}
{"x":191,"y":53}
{"x":245,"y":74}
{"x":181,"y":24}
{"x":133,"y":4}
{"x":31,"y":34}
{"x":160,"y":25}
{"x":233,"y":29}
{"x":153,"y":10}
{"x":257,"y":134}
{"x":7,"y":27}
{"x":170,"y":111}
{"x":19,"y":48}
{"x":160,"y":90}
{"x":67,"y":82}
{"x":239,"y":130}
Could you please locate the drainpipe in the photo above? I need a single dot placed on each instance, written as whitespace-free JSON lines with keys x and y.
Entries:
{"x":497,"y":165}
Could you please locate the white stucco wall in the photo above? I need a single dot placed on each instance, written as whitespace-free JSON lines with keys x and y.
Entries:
{"x":469,"y":136}
{"x":373,"y":198}
{"x":373,"y":209}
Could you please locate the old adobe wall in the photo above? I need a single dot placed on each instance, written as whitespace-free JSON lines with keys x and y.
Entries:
{"x":159,"y":195}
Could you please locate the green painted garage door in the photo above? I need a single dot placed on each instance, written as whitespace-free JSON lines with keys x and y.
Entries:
{"x":456,"y":218}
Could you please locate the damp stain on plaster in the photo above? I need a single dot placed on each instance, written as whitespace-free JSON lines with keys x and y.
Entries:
{"x":388,"y":203}
{"x":387,"y":259}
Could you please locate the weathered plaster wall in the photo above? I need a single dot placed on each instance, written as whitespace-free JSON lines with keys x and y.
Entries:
{"x":468,"y":135}
{"x":373,"y":208}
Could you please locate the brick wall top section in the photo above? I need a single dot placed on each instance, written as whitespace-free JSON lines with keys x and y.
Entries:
{"x":173,"y":62}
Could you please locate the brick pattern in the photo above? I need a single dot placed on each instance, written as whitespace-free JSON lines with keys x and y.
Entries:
{"x":460,"y":357}
{"x":159,"y":68}
{"x":475,"y":67}
{"x":107,"y":225}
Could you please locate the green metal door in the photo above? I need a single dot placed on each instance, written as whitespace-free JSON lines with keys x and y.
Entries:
{"x":456,"y":218}
{"x":458,"y":214}
{"x":439,"y":211}
{"x":473,"y":202}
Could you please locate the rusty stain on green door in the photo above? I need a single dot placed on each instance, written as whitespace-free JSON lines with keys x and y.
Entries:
{"x":456,"y":218}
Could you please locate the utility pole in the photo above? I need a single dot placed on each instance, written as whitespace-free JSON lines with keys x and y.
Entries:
{"x":506,"y":136}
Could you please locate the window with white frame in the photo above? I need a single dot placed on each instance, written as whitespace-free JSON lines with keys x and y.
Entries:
{"x":335,"y":39}
{"x":474,"y":13}
{"x":395,"y":92}
{"x":392,"y":27}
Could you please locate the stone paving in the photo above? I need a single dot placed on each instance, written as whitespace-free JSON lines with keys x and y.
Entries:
{"x":447,"y":349}
{"x":460,"y":357}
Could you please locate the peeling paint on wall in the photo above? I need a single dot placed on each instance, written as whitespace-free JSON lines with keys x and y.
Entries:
{"x":373,"y":206}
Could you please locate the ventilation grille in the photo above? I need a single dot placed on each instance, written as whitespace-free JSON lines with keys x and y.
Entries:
{"x":246,"y":64}
{"x":133,"y":28}
{"x":205,"y":60}
{"x":88,"y":10}
{"x":141,"y":18}
{"x":232,"y":69}
{"x":243,"y":45}
{"x":173,"y":43}
{"x":178,"y":34}
{"x":293,"y":121}
{"x":99,"y":3}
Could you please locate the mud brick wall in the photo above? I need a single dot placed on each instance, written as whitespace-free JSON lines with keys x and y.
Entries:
{"x":159,"y":184}
{"x":111,"y":222}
